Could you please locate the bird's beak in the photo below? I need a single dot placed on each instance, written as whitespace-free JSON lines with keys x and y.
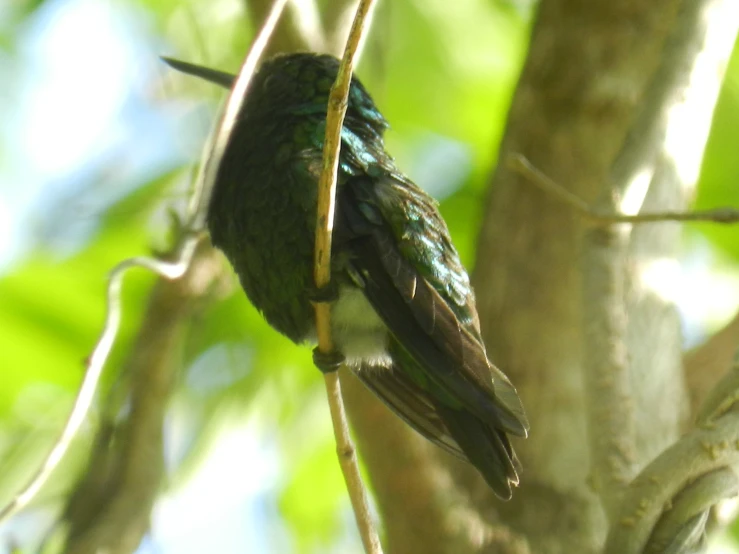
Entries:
{"x":221,"y":78}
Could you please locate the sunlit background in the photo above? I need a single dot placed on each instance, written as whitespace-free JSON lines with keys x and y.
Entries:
{"x":97,"y":142}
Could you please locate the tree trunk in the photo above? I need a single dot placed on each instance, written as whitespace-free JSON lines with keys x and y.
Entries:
{"x":570,"y":312}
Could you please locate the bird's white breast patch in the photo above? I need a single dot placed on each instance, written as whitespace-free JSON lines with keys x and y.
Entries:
{"x":358,"y":331}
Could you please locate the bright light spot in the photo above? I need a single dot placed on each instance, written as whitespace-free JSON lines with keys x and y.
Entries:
{"x":636,"y":191}
{"x":663,"y":276}
{"x":726,"y":510}
{"x":689,"y":121}
{"x":703,"y":294}
{"x":7,"y":240}
{"x":84,"y":74}
{"x":221,"y":497}
{"x":722,"y":543}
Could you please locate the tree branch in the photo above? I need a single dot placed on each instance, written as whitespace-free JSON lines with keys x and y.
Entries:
{"x":683,"y":524}
{"x":572,"y":121}
{"x":608,"y":378}
{"x":610,"y":410}
{"x":684,"y":481}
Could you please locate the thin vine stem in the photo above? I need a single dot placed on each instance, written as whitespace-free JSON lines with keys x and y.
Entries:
{"x":192,"y":234}
{"x":336,"y":111}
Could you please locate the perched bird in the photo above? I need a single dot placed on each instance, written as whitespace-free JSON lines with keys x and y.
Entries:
{"x":403,"y":312}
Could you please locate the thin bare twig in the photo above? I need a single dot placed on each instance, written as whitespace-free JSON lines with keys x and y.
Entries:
{"x":169,"y":270}
{"x":299,"y":27}
{"x":337,"y":104}
{"x":110,"y":507}
{"x":197,"y":208}
{"x":523,"y":166}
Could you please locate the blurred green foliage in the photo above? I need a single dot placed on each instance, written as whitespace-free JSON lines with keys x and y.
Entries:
{"x":719,"y":181}
{"x":436,"y":74}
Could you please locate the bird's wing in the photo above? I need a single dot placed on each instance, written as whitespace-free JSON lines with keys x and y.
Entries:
{"x":411,"y":403}
{"x":402,"y":256}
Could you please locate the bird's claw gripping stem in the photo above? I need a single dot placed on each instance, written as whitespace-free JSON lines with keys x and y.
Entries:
{"x":327,"y":362}
{"x":326,"y":293}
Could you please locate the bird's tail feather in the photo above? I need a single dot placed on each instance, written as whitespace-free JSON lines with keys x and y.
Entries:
{"x":489,"y":450}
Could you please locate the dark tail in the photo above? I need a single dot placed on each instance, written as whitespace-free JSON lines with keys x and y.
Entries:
{"x":487,"y":449}
{"x":456,"y":430}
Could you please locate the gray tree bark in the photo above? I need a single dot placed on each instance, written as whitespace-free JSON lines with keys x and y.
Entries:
{"x":569,"y":312}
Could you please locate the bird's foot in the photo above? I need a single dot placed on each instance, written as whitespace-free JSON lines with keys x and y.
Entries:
{"x":327,"y":362}
{"x":326,"y":293}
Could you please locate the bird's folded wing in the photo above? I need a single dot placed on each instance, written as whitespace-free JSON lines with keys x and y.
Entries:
{"x":411,"y":403}
{"x":422,"y":321}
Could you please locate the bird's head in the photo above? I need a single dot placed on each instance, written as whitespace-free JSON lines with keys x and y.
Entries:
{"x":294,"y":85}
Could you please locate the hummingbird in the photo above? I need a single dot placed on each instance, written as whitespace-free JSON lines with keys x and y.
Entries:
{"x":403,"y":314}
